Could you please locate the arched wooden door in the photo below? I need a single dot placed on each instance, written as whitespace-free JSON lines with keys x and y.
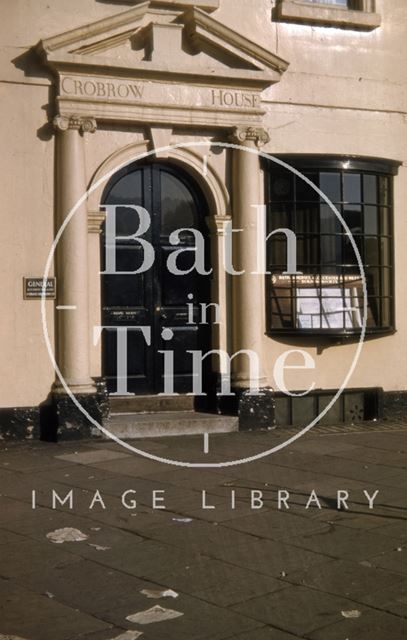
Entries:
{"x":157,"y":298}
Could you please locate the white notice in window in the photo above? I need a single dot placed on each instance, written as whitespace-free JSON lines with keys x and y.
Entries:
{"x":328,"y":308}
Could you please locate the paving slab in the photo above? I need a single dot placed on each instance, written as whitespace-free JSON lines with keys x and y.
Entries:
{"x":89,"y":587}
{"x":200,"y":621}
{"x":38,"y":617}
{"x":297,"y":610}
{"x":347,"y":579}
{"x":264,"y":633}
{"x":346,"y":543}
{"x":277,"y":525}
{"x":371,"y":625}
{"x":93,"y":456}
{"x":395,"y":560}
{"x":31,"y":556}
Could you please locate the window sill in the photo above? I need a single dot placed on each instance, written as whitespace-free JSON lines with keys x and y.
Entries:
{"x":316,"y":336}
{"x":305,"y":13}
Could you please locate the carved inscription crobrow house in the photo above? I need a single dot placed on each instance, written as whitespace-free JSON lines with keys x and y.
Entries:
{"x":113,"y":89}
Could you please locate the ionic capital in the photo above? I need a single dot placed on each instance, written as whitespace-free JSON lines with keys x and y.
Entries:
{"x":242,"y":135}
{"x":81,"y":124}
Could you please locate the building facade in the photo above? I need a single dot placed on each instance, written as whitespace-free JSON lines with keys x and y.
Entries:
{"x":128,"y":121}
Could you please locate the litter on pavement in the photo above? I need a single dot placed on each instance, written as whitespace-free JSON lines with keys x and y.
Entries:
{"x":59,"y":536}
{"x":155,"y":614}
{"x":353,"y":613}
{"x":156,"y":595}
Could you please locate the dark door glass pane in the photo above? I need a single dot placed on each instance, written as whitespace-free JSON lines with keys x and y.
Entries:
{"x":127,"y":190}
{"x":178,"y":209}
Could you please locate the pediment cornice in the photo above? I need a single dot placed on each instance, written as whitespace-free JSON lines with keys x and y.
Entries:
{"x":162,"y":55}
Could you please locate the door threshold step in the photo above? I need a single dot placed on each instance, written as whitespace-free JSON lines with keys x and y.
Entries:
{"x":129,"y":426}
{"x":151,"y":404}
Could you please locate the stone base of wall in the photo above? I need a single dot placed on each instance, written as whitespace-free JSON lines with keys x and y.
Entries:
{"x":59,"y":419}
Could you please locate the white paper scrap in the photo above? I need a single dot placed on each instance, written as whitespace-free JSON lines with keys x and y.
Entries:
{"x":156,"y":595}
{"x":129,"y":635}
{"x":353,"y":613}
{"x":68,"y":534}
{"x":183,"y":520}
{"x":98,"y":547}
{"x":155,"y":614}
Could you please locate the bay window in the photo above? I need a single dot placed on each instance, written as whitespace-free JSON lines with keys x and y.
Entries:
{"x":326,"y":296}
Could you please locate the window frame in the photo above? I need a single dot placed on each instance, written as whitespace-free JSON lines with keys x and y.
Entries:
{"x":383,"y":303}
{"x":359,"y":15}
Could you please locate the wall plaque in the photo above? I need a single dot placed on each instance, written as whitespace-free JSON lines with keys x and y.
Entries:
{"x":32,"y":287}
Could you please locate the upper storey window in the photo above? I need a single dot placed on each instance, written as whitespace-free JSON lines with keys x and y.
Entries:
{"x":342,"y":3}
{"x":347,"y":14}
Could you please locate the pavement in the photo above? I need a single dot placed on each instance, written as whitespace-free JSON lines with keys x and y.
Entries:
{"x":100,"y":558}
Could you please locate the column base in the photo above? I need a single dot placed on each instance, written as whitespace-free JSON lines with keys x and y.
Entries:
{"x":78,"y":389}
{"x":256,"y":412}
{"x":69,"y":421}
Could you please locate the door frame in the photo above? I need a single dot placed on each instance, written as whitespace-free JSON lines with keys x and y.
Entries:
{"x":154,"y":202}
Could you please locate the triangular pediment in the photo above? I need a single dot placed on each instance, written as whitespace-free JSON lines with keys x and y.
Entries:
{"x":164,"y":41}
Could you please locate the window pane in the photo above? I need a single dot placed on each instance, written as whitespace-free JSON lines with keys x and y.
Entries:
{"x":303,"y":191}
{"x":370,"y":189}
{"x":329,"y":221}
{"x":331,"y":250}
{"x":372,"y":255}
{"x":282,"y":188}
{"x":386,"y":282}
{"x":386,"y":312}
{"x":281,"y":217}
{"x":306,"y":218}
{"x":385,"y":214}
{"x":330,"y":185}
{"x":352,"y":214}
{"x":371,"y":220}
{"x":352,"y":191}
{"x":384,"y":190}
{"x":386,"y":251}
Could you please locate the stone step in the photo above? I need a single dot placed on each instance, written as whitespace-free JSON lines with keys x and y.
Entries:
{"x":151,"y":404}
{"x":152,"y":425}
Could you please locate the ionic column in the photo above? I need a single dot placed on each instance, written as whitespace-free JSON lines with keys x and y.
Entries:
{"x":248,"y":289}
{"x":73,"y":331}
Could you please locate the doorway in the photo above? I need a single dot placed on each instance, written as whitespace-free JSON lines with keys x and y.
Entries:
{"x":169,"y":304}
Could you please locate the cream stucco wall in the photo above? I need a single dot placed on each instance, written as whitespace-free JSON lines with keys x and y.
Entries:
{"x":345,"y":92}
